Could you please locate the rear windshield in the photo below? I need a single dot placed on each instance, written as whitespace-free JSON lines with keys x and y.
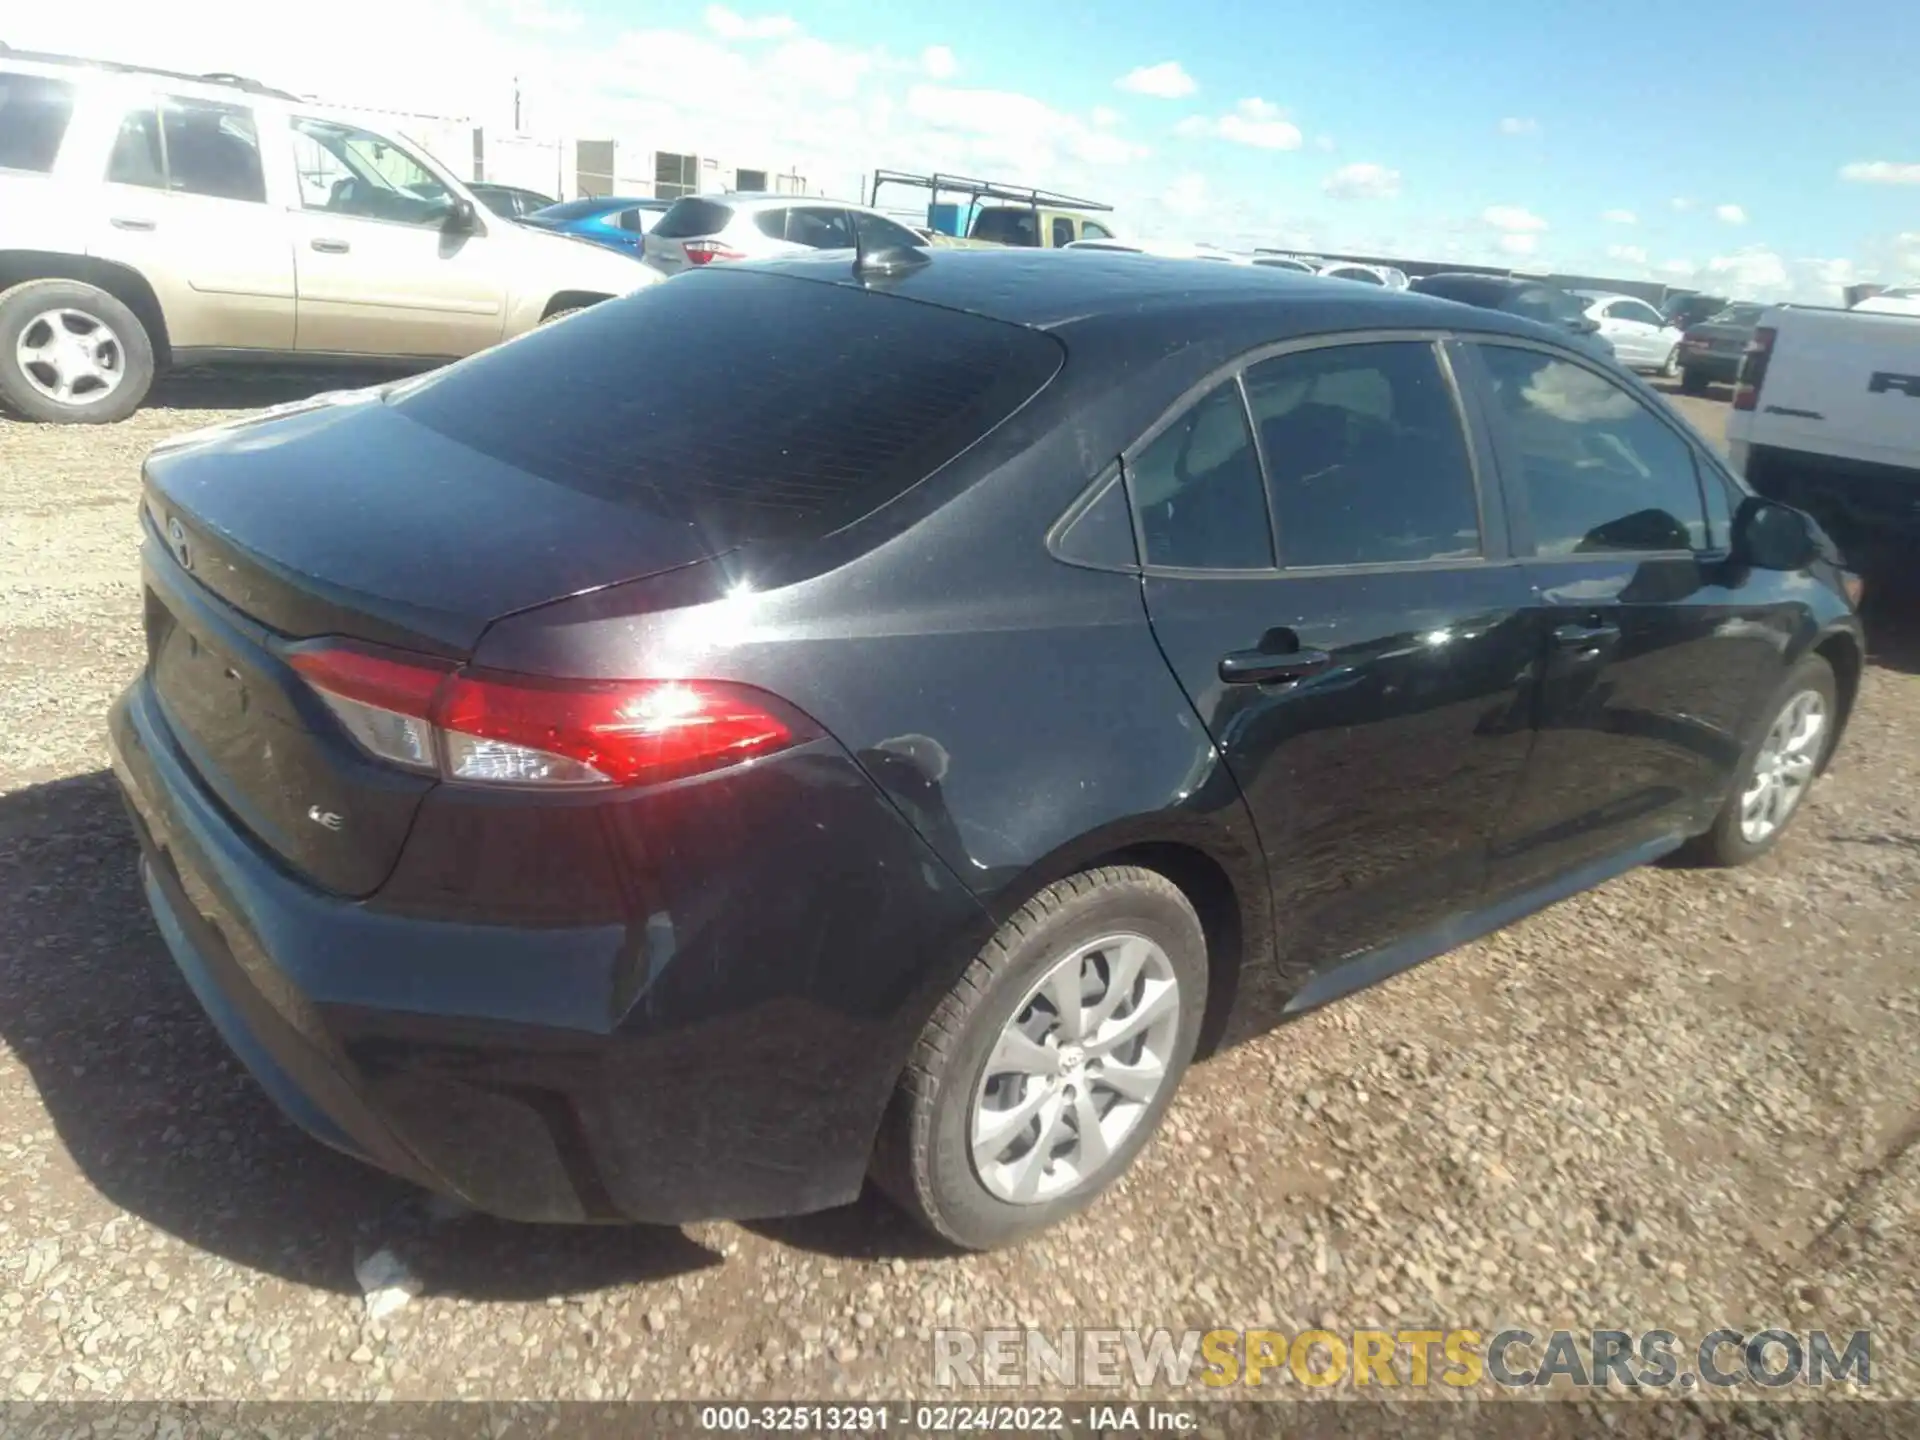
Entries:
{"x":34,"y":111}
{"x":753,"y":406}
{"x":689,"y":217}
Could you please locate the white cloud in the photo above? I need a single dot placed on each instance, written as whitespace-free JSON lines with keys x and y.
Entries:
{"x":538,"y":15}
{"x":1759,"y":273}
{"x":1681,"y":202}
{"x":1512,"y":217}
{"x":1015,"y":131}
{"x":1881,"y":172}
{"x":1255,"y":122}
{"x":1166,"y":81}
{"x":1519,"y":242}
{"x":1619,"y":217}
{"x":1325,"y":143}
{"x":730,"y":25}
{"x":939,"y":62}
{"x":1362,"y":180}
{"x":1631,"y":254}
{"x":1105,"y":116}
{"x":1514,"y":125}
{"x":1187,"y":195}
{"x":1731,"y":214}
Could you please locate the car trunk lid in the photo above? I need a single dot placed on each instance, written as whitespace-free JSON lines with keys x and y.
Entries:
{"x":348,"y":520}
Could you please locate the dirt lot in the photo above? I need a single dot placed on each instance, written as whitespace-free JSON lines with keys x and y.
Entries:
{"x":1682,"y":1101}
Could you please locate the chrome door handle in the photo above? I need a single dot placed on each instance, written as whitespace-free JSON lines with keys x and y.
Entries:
{"x":331,"y":247}
{"x":1261,"y":667}
{"x":130,"y":222}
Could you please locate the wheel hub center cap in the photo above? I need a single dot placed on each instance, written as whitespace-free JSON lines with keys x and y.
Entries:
{"x":1072,"y":1058}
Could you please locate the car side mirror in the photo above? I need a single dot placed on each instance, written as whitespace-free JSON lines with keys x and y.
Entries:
{"x":1770,"y":536}
{"x":463,"y":218}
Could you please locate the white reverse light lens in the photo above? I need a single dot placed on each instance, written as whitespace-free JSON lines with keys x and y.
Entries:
{"x":403,"y":739}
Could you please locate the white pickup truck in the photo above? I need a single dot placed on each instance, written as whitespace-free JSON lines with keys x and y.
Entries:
{"x":1826,"y":417}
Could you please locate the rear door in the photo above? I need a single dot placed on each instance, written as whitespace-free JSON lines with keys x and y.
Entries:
{"x":1653,"y":649}
{"x":187,"y":205}
{"x":1356,"y":647}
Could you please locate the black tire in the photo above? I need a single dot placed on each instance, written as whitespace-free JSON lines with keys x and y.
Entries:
{"x":1694,"y":382}
{"x":1725,"y":844}
{"x":22,"y":307}
{"x":923,"y":1159}
{"x":562,"y":314}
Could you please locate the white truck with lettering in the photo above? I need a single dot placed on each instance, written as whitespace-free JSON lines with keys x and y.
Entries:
{"x":1826,"y":417}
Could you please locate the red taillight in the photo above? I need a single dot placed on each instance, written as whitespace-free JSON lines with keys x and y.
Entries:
{"x":406,"y":687}
{"x":705,"y":252}
{"x":522,"y":730}
{"x":1753,"y":369}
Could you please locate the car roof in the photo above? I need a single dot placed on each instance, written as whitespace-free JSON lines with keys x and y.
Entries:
{"x":620,"y":202}
{"x":212,"y":83}
{"x":748,"y":199}
{"x":1054,"y":290}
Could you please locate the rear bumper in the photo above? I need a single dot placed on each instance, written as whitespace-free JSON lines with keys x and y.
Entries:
{"x":1722,"y":368}
{"x":705,"y":1061}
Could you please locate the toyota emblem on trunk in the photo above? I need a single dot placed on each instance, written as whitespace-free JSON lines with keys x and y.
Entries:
{"x":177,"y":541}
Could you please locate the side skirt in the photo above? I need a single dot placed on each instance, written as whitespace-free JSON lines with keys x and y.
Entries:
{"x":1370,"y":967}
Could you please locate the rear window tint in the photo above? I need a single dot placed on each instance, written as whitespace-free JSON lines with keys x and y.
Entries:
{"x":753,"y":406}
{"x":34,"y":111}
{"x":693,"y":217}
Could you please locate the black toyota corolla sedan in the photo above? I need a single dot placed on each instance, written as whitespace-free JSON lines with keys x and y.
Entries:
{"x":881,"y":716}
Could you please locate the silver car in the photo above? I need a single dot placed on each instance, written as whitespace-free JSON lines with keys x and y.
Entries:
{"x":1639,"y":334}
{"x":706,"y":229}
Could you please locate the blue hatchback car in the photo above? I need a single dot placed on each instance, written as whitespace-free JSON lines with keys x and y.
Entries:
{"x":617,"y":222}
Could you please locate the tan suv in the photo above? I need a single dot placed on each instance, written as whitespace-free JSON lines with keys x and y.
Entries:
{"x":150,"y":220}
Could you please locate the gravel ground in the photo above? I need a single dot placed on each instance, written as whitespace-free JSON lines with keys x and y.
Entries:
{"x":1681,"y":1101}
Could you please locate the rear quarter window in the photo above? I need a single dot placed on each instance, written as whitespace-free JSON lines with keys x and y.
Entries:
{"x":752,"y":406}
{"x":34,"y":111}
{"x":689,"y":217}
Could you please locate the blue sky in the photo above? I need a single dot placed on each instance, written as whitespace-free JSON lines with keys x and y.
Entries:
{"x":1717,"y":138}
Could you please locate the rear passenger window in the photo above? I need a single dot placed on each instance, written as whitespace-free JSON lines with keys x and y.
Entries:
{"x":1365,"y":455}
{"x":1600,"y":472}
{"x":34,"y":111}
{"x":212,"y":150}
{"x":1196,"y":490}
{"x":822,"y":229}
{"x":137,"y":158}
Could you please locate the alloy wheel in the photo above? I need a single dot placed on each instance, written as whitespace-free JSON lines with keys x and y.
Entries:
{"x":1075,"y":1070}
{"x":71,"y":357}
{"x":1784,"y":768}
